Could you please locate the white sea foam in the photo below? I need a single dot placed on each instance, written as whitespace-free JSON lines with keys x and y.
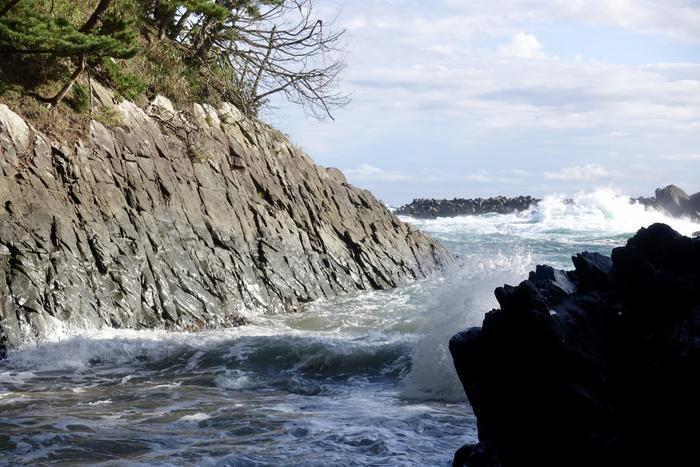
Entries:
{"x":603,"y":212}
{"x":460,"y":302}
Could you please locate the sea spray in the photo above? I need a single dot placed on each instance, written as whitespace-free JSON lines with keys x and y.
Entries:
{"x":460,"y":300}
{"x":365,"y":377}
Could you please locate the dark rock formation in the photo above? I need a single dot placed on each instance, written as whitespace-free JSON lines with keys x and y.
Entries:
{"x":594,"y":367}
{"x":674,"y":201}
{"x":182,"y":220}
{"x":432,"y":208}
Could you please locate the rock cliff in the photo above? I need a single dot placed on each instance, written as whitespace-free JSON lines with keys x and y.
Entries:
{"x":596,"y":366}
{"x":182,"y":220}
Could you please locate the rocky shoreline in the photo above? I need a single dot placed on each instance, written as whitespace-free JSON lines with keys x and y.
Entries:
{"x":423,"y":208}
{"x":670,"y":199}
{"x":596,"y":366}
{"x":182,"y":219}
{"x":674,"y":201}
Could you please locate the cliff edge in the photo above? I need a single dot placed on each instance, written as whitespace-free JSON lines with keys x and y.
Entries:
{"x":182,"y":220}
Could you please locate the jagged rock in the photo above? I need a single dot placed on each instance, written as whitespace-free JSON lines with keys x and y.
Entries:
{"x":432,"y":208}
{"x":596,"y":366}
{"x":187,"y":224}
{"x":13,"y":130}
{"x":672,"y":199}
{"x":161,"y":108}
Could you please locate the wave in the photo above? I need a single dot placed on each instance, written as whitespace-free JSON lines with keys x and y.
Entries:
{"x":602,"y":212}
{"x":460,"y":302}
{"x":238,"y":358}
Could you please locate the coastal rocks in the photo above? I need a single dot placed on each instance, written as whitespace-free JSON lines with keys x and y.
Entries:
{"x":432,"y":208}
{"x":193,"y":219}
{"x":674,"y":201}
{"x":596,"y":366}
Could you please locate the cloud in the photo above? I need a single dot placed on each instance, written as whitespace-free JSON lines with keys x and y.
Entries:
{"x":500,"y":176}
{"x":466,"y":85}
{"x":369,"y":173}
{"x":586,"y":172}
{"x":683,"y":157}
{"x":522,"y":45}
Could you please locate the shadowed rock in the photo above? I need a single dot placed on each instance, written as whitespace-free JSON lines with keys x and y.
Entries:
{"x":182,"y":220}
{"x":593,"y":367}
{"x":432,"y":208}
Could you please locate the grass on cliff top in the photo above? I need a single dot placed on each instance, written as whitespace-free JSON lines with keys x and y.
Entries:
{"x":159,"y":67}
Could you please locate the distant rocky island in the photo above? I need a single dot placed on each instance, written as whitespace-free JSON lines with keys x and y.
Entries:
{"x":592,"y":367}
{"x":670,"y":199}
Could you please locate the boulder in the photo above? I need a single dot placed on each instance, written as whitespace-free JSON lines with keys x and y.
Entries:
{"x":672,"y":199}
{"x":161,"y":108}
{"x":595,"y":366}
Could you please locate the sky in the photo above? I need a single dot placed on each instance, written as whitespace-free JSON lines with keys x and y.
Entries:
{"x":459,"y":98}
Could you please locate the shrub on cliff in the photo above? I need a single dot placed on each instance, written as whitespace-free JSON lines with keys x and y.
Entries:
{"x":242,"y":51}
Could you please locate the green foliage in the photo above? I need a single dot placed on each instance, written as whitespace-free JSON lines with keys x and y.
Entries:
{"x":80,"y":100}
{"x":127,"y":85}
{"x":189,"y":50}
{"x":26,"y":31}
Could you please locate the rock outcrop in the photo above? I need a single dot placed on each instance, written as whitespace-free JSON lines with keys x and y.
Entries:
{"x":674,"y":201}
{"x":599,"y":366}
{"x":431,"y":208}
{"x":182,"y":220}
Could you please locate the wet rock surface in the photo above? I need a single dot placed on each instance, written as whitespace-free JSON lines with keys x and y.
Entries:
{"x":596,"y":366}
{"x":182,"y":220}
{"x":431,"y":208}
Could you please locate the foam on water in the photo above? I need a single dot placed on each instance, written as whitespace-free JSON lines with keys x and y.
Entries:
{"x":459,"y":302}
{"x":602,"y":213}
{"x":364,"y":379}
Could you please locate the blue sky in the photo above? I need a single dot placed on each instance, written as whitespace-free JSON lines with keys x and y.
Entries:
{"x":475,"y":98}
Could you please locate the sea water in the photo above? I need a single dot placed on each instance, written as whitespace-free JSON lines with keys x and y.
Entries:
{"x":364,"y":379}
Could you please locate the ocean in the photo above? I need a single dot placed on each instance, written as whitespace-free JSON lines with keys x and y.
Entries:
{"x":364,"y":379}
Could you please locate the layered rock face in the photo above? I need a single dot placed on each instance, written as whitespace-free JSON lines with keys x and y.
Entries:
{"x":432,"y":208}
{"x":593,"y":367}
{"x":182,"y":220}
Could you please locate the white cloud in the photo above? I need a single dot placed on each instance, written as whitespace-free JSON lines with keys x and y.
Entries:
{"x":586,"y":172}
{"x":480,"y":176}
{"x":440,"y":82}
{"x":500,"y":176}
{"x":523,"y":45}
{"x":369,"y":173}
{"x":683,"y":157}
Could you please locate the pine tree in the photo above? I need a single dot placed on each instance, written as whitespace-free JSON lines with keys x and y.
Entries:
{"x":24,"y":30}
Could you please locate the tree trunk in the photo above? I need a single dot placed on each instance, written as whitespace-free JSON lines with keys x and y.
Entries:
{"x":180,"y":24}
{"x":92,"y":20}
{"x":163,"y":24}
{"x":55,"y":100}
